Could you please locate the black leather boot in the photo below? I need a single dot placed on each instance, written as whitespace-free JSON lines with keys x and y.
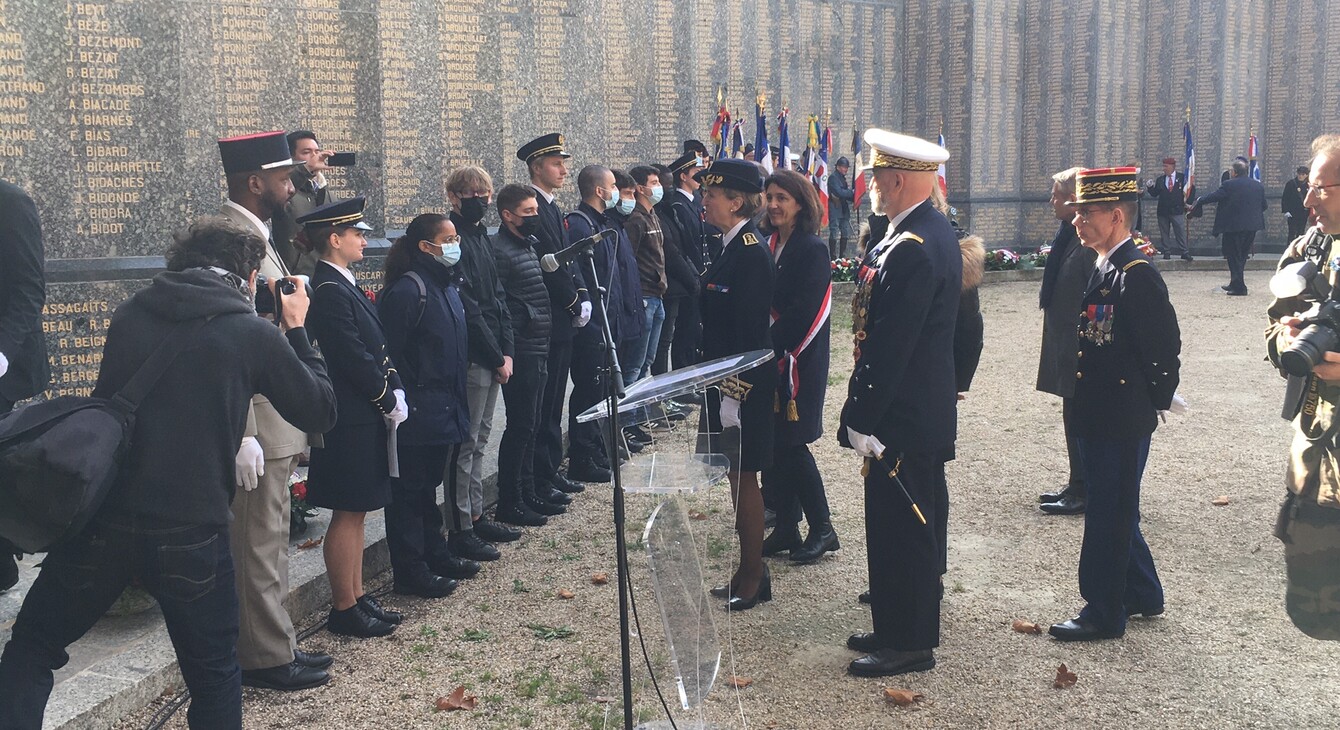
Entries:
{"x":822,"y":539}
{"x":783,"y":538}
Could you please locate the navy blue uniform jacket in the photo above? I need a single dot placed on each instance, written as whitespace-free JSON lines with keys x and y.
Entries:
{"x":345,"y":326}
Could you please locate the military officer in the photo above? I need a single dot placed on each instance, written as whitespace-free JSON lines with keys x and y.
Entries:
{"x":688,"y":215}
{"x":1125,"y":374}
{"x":901,"y":411}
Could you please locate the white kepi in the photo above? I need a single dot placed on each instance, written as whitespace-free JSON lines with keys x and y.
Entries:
{"x":891,"y":150}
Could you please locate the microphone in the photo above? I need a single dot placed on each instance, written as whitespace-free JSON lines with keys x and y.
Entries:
{"x":552,"y":262}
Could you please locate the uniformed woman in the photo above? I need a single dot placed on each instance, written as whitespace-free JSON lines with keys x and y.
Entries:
{"x":350,"y":474}
{"x":736,"y":301}
{"x":800,"y":331}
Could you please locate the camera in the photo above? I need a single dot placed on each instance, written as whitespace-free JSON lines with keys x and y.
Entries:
{"x":1320,"y":334}
{"x":265,"y":298}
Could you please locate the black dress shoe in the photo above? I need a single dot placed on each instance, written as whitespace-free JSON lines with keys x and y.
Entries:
{"x":1187,"y":257}
{"x":453,"y":567}
{"x":543,"y":506}
{"x":783,"y":539}
{"x":633,"y":447}
{"x":820,"y":540}
{"x":552,"y":495}
{"x":888,"y":662}
{"x":637,"y":435}
{"x":866,"y":643}
{"x":354,"y":621}
{"x":1145,"y":612}
{"x":285,"y":677}
{"x":1167,"y":256}
{"x":565,"y":483}
{"x":739,"y":603}
{"x":312,"y":659}
{"x":9,"y":572}
{"x":493,"y":532}
{"x":375,"y":609}
{"x":1236,"y":293}
{"x":864,"y":597}
{"x":585,"y":471}
{"x":1046,"y":497}
{"x":520,"y":515}
{"x":1077,"y":629}
{"x":425,"y":585}
{"x":468,"y":545}
{"x":1067,"y":505}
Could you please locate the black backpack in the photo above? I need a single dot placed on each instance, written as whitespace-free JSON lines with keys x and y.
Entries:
{"x":59,"y":458}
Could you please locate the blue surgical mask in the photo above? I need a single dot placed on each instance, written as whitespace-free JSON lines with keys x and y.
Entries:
{"x":612,"y":199}
{"x":657,"y":193}
{"x":626,"y":206}
{"x":451,"y":254}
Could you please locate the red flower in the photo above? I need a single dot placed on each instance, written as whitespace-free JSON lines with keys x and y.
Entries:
{"x":371,"y":295}
{"x":300,"y":490}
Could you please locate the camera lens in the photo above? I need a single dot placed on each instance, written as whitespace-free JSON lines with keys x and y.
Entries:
{"x":1308,"y":349}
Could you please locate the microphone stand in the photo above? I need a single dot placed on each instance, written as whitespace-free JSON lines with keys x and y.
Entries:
{"x":613,"y":392}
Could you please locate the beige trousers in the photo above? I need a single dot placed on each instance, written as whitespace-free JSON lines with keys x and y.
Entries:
{"x":259,"y":539}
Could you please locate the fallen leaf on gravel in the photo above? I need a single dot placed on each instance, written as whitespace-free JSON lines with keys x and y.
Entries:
{"x":902,"y":697}
{"x":565,"y":594}
{"x":740,"y":682}
{"x":602,"y":699}
{"x":696,"y":515}
{"x":457,"y":700}
{"x":1026,"y":627}
{"x":600,"y":579}
{"x":1065,"y":678}
{"x":1220,"y":501}
{"x":313,"y":542}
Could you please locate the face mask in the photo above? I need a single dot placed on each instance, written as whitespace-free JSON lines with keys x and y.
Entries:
{"x":472,"y":210}
{"x":626,"y":206}
{"x":657,"y":193}
{"x":612,"y":199}
{"x":530,"y":225}
{"x":450,"y":255}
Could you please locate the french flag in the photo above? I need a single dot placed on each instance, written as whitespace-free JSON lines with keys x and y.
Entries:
{"x":1190,"y":154}
{"x":821,"y":172}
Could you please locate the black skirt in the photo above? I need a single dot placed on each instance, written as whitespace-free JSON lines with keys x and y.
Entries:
{"x":350,"y":472}
{"x":749,"y":447}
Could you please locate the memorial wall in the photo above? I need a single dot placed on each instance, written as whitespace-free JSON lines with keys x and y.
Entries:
{"x":109,"y":111}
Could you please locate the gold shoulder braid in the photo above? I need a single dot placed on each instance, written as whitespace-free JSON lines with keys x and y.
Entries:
{"x":733,"y":387}
{"x":1132,"y":264}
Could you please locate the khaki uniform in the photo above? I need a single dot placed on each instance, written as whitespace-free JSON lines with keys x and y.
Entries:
{"x":1309,"y":520}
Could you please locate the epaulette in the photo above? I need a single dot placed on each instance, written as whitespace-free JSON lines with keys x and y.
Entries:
{"x":750,"y":239}
{"x":1128,"y":266}
{"x":909,"y":236}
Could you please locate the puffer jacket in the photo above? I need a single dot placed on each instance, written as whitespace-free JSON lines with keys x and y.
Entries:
{"x":527,"y":298}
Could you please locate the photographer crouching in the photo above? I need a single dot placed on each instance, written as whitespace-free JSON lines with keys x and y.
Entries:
{"x":165,"y":521}
{"x":1302,"y":340}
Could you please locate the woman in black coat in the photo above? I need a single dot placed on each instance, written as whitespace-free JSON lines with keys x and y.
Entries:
{"x":424,"y":317}
{"x":736,"y":299}
{"x":349,"y":473}
{"x":800,"y":338}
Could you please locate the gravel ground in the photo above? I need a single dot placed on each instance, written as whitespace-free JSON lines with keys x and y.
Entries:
{"x":1223,"y":655}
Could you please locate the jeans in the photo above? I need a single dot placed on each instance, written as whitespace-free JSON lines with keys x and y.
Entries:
{"x":188,"y":569}
{"x":516,"y":450}
{"x":653,"y":320}
{"x":413,"y":520}
{"x":468,"y":486}
{"x":661,"y":362}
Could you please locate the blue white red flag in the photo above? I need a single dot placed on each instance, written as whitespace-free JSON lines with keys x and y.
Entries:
{"x":1190,"y":155}
{"x":940,"y":171}
{"x":1255,"y":169}
{"x":762,"y":151}
{"x":783,"y":140}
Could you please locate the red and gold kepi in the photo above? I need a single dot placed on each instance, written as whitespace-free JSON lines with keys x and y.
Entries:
{"x":1107,"y":185}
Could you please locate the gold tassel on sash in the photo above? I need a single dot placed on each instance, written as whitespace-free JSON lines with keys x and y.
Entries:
{"x":791,"y":414}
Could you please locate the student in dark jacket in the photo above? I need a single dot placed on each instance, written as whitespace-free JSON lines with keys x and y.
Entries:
{"x":1291,"y":202}
{"x":528,"y":301}
{"x":681,"y":279}
{"x":421,"y":311}
{"x":631,"y":309}
{"x":165,"y":522}
{"x":1241,"y":213}
{"x":801,"y":303}
{"x":349,"y":474}
{"x":491,"y":348}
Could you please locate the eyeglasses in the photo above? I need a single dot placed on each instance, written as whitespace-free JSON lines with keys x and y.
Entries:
{"x":1316,"y":189}
{"x":454,"y":240}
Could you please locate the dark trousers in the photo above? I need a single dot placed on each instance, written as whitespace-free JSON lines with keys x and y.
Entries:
{"x":688,"y":337}
{"x":793,"y":486}
{"x":1075,"y":484}
{"x":662,"y":362}
{"x":1236,"y":246}
{"x":188,"y":569}
{"x":904,"y":555}
{"x":413,"y":519}
{"x":1116,"y":570}
{"x":1297,"y":225}
{"x":549,"y":428}
{"x":586,"y":443}
{"x":516,"y":449}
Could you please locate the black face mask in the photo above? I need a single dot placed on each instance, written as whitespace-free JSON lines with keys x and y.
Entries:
{"x":472,"y":210}
{"x":529,"y":226}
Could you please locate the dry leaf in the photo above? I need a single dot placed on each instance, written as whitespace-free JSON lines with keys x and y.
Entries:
{"x":600,"y":579}
{"x":1220,"y":501}
{"x":457,"y":700}
{"x":1026,"y":627}
{"x":565,"y":594}
{"x":1065,"y":678}
{"x":602,"y":699}
{"x":902,"y":697}
{"x":696,"y":515}
{"x":740,"y":682}
{"x":313,"y":542}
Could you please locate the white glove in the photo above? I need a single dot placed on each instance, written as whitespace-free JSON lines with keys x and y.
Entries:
{"x":867,"y":446}
{"x":4,"y":364}
{"x":249,"y":465}
{"x":1288,"y":215}
{"x":583,"y":316}
{"x":1179,"y":405}
{"x":398,"y":414}
{"x":729,"y":413}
